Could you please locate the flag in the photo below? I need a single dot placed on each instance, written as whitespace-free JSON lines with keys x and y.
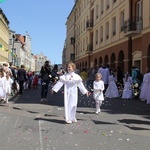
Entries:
{"x":2,"y":1}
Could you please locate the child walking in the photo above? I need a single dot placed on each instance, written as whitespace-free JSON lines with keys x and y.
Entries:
{"x":8,"y":85}
{"x":35,"y":82}
{"x":98,"y":88}
{"x":127,"y":91}
{"x":71,"y":81}
{"x":2,"y":86}
{"x":112,"y":90}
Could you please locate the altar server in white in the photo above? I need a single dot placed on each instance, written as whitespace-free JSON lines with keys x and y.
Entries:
{"x":71,"y":81}
{"x":98,"y":88}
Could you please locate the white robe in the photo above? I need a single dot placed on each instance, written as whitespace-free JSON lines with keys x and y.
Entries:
{"x":70,"y":81}
{"x":97,"y":94}
{"x":127,"y":91}
{"x":112,"y":90}
{"x":8,"y":85}
{"x":144,"y":86}
{"x":2,"y":88}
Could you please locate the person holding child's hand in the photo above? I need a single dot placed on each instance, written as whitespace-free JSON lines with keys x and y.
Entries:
{"x":71,"y":81}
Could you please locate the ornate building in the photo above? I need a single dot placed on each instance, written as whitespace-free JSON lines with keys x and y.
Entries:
{"x":114,"y":32}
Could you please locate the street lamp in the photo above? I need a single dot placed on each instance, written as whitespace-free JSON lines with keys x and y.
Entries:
{"x":13,"y":38}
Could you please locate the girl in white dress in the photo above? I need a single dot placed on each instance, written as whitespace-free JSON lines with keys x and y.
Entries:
{"x":98,"y":88}
{"x":127,"y":91}
{"x":144,"y":87}
{"x":148,"y":89}
{"x":112,"y":90}
{"x":2,"y":86}
{"x":8,"y":85}
{"x":70,"y":81}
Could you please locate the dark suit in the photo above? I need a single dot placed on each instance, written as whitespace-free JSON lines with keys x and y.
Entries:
{"x":21,"y":77}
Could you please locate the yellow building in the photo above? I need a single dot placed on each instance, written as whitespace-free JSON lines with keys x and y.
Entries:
{"x":113,"y":32}
{"x":4,"y":37}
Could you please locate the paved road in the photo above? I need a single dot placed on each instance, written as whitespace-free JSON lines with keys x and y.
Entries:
{"x":26,"y":124}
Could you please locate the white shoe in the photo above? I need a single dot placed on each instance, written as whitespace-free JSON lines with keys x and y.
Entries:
{"x":96,"y":112}
{"x":42,"y":99}
{"x":45,"y":99}
{"x":75,"y":120}
{"x":99,"y":110}
{"x":68,"y":121}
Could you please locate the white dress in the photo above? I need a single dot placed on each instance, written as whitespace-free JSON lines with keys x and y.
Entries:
{"x":8,"y":84}
{"x":2,"y":88}
{"x":127,"y":91}
{"x":70,"y":81}
{"x":97,"y":94}
{"x":112,"y":90}
{"x":144,"y":86}
{"x":148,"y":89}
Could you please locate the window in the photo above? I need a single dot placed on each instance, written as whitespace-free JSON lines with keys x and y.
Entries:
{"x":101,"y":33}
{"x":107,"y":4}
{"x":115,"y":1}
{"x":96,"y":37}
{"x":107,"y":30}
{"x":102,"y":7}
{"x":139,"y":15}
{"x":122,"y":20}
{"x":114,"y":26}
{"x":139,"y":10}
{"x":97,"y":11}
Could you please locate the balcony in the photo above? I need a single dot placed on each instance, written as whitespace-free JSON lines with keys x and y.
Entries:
{"x":133,"y":26}
{"x":89,"y":49}
{"x":89,"y":25}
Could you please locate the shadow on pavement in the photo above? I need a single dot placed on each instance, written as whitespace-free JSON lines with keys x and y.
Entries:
{"x":110,"y":106}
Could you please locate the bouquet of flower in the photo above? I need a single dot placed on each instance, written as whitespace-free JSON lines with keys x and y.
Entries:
{"x":135,"y":90}
{"x":120,"y":88}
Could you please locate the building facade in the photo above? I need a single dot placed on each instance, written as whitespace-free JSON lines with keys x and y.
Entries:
{"x":113,"y":32}
{"x":40,"y":60}
{"x":4,"y":37}
{"x":20,"y":51}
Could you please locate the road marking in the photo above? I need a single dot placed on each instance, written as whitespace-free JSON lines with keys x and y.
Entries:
{"x":41,"y":143}
{"x":9,"y":137}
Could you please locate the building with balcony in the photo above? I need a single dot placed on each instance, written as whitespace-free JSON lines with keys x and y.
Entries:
{"x":113,"y":32}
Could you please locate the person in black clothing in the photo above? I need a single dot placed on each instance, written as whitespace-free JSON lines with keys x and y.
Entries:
{"x":54,"y":73}
{"x":120,"y":75}
{"x":21,"y":77}
{"x":14,"y":77}
{"x":45,"y":80}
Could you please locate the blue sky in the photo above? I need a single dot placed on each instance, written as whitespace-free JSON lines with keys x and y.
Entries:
{"x":44,"y":20}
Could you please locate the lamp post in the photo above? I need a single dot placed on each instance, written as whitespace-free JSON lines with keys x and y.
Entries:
{"x":13,"y":39}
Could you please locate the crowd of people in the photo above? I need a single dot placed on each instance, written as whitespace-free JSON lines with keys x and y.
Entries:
{"x":14,"y":80}
{"x":101,"y":83}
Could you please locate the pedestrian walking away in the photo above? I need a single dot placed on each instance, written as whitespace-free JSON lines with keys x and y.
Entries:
{"x":71,"y":81}
{"x":45,"y":80}
{"x":21,"y":77}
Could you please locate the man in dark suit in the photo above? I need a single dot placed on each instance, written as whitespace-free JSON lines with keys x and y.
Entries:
{"x":21,"y":76}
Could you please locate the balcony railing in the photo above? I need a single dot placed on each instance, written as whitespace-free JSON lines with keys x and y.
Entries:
{"x":89,"y":24}
{"x":133,"y":26}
